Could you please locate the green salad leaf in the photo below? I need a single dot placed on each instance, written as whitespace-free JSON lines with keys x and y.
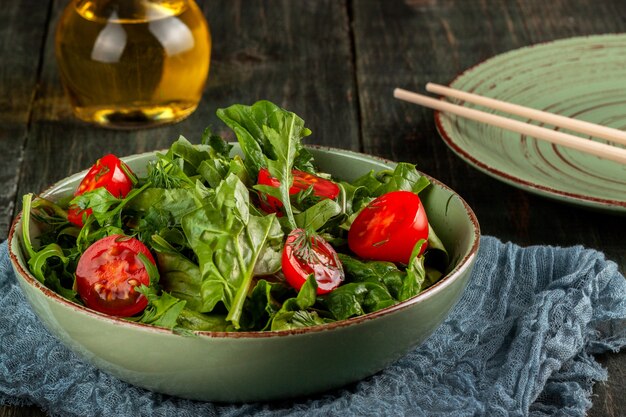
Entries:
{"x":228,"y":241}
{"x":295,"y":312}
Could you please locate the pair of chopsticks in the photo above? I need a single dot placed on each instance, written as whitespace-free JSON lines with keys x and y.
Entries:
{"x":602,"y":150}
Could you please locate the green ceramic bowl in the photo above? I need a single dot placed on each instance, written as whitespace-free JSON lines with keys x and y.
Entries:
{"x":255,"y":366}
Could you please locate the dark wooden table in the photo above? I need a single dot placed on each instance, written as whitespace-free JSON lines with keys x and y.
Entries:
{"x":334,"y":63}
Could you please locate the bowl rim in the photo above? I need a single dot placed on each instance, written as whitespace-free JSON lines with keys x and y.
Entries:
{"x":462,"y":265}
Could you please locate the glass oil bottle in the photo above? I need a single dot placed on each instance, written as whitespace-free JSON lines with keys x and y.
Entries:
{"x":133,"y":63}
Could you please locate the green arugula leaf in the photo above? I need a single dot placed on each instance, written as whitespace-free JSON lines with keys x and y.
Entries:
{"x":38,"y":263}
{"x":26,"y":241}
{"x":50,"y":265}
{"x":106,"y":208}
{"x":295,"y":311}
{"x":415,"y":274}
{"x":436,"y":255}
{"x":297,"y":319}
{"x":403,"y":177}
{"x":163,"y":310}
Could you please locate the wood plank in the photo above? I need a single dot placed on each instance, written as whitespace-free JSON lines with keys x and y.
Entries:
{"x":259,"y":53}
{"x":415,"y":41}
{"x":27,"y":411}
{"x":264,"y":50}
{"x":20,"y":43}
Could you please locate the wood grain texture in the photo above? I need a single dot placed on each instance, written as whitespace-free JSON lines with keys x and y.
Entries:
{"x":20,"y":45}
{"x":274,"y":50}
{"x":265,"y":50}
{"x":434,"y":41}
{"x":335,"y":63}
{"x":26,"y":411}
{"x":408,"y":43}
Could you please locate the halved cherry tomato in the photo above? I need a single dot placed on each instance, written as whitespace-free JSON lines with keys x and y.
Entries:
{"x":306,"y":254}
{"x":301,"y":181}
{"x":108,"y":272}
{"x":108,"y":172}
{"x":389,"y":227}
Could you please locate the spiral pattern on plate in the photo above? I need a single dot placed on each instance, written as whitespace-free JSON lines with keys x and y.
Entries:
{"x":583,"y":78}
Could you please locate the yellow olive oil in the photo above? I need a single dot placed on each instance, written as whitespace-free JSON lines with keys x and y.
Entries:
{"x":133,"y":63}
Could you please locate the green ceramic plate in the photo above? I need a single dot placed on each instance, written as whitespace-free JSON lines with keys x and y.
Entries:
{"x":583,"y":78}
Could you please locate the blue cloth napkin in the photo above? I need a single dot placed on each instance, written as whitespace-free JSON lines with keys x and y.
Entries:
{"x":519,"y":343}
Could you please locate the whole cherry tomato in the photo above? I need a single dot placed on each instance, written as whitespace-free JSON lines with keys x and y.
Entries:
{"x":301,"y":181}
{"x":306,"y":254}
{"x":389,"y":227}
{"x":108,"y":272}
{"x":108,"y":172}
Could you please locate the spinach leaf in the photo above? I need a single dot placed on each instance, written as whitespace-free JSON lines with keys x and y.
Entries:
{"x":213,"y":171}
{"x":192,"y":155}
{"x":295,"y":311}
{"x":228,"y":241}
{"x":269,"y":137}
{"x":171,"y":203}
{"x":357,"y":298}
{"x":385,"y":273}
{"x":220,"y":165}
{"x":316,"y":217}
{"x":264,"y":303}
{"x":193,"y":320}
{"x":180,"y":276}
{"x":297,"y":319}
{"x":218,"y":146}
{"x":353,"y":198}
{"x":251,"y":125}
{"x":401,"y":284}
{"x":247,"y":122}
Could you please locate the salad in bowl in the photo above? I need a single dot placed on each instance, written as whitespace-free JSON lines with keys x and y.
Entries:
{"x":256,"y":241}
{"x":256,"y":270}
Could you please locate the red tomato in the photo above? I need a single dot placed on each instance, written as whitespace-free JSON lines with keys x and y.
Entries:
{"x":75,"y":215}
{"x":301,"y":181}
{"x":310,"y":254}
{"x":107,"y":172}
{"x":389,"y":228}
{"x":108,"y":272}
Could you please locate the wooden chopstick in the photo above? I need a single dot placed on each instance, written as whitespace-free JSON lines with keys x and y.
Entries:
{"x":580,"y":126}
{"x":601,"y":150}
